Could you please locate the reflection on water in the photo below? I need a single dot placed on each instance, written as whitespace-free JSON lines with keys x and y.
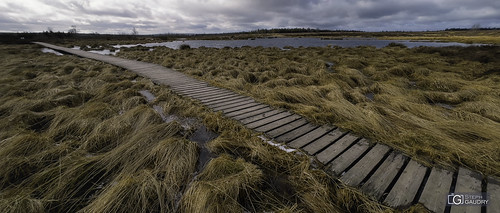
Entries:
{"x":283,"y":43}
{"x":446,"y":106}
{"x":104,"y":52}
{"x":370,"y":96}
{"x":47,"y":50}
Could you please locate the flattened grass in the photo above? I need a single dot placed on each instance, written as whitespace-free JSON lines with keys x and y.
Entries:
{"x":106,"y":150}
{"x":438,"y":105}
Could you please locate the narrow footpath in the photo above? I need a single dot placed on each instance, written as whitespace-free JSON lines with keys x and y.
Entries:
{"x":385,"y":174}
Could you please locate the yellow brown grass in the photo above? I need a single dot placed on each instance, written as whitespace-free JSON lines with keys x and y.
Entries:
{"x":412,"y":91}
{"x":78,"y":137}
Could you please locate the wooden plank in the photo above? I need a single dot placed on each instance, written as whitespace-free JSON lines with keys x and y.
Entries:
{"x":436,"y":190}
{"x":467,"y":182}
{"x":234,"y":111}
{"x":277,"y":123}
{"x":252,"y":113}
{"x":297,"y":132}
{"x":324,"y":141}
{"x":406,"y":187}
{"x":195,"y":86}
{"x":189,"y":86}
{"x":382,"y":178}
{"x":229,"y":104}
{"x":227,"y":100}
{"x":221,"y":97}
{"x":363,"y":167}
{"x":266,"y":120}
{"x":493,"y":190}
{"x":241,"y":107}
{"x":336,"y":148}
{"x":286,"y":128}
{"x":260,"y":116}
{"x":212,"y":96}
{"x":341,"y":163}
{"x":205,"y":95}
{"x":310,"y":136}
{"x":202,"y":91}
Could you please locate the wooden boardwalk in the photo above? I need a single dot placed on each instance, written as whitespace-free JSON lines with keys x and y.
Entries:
{"x":385,"y":174}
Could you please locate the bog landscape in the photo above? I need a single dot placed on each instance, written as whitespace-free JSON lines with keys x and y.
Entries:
{"x":262,"y":121}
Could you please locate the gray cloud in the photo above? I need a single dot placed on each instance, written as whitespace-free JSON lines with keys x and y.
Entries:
{"x":204,"y":16}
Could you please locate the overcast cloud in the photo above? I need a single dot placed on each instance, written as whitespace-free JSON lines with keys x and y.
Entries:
{"x":208,"y":16}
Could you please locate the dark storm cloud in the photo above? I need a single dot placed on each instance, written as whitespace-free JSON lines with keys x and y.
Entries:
{"x":161,"y":16}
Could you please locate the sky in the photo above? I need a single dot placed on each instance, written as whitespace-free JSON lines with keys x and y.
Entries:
{"x":217,"y":16}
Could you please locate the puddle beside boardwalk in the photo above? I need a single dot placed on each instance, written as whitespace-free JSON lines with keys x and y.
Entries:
{"x":446,"y":106}
{"x":47,"y":50}
{"x":148,"y":95}
{"x":370,"y":96}
{"x":105,"y":52}
{"x":329,"y":66}
{"x":201,"y":135}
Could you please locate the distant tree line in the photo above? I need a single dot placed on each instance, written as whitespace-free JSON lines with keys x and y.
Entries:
{"x":48,"y":36}
{"x":297,"y":30}
{"x":472,"y":28}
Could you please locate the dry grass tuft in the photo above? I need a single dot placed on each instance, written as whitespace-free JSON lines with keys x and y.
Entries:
{"x":221,"y":185}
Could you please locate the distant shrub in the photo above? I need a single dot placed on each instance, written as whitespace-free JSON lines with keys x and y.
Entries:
{"x":184,"y":46}
{"x":394,"y":44}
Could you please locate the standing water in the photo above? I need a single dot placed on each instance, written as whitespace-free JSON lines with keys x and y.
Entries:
{"x":294,"y":42}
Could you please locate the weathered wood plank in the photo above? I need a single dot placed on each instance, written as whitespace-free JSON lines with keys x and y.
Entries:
{"x":215,"y":96}
{"x":202,"y":91}
{"x":205,"y":95}
{"x":234,"y":103}
{"x":341,"y":163}
{"x":252,"y":113}
{"x":296,"y":133}
{"x":260,"y":116}
{"x":336,"y":148}
{"x":222,"y":97}
{"x":436,"y":190}
{"x":234,"y":111}
{"x":277,"y":123}
{"x":243,"y":107}
{"x":467,"y":182}
{"x":324,"y":141}
{"x":229,"y":104}
{"x":286,"y":128}
{"x":363,"y":167}
{"x":406,"y":187}
{"x":382,"y":178}
{"x":311,"y":136}
{"x":267,"y":120}
{"x":188,"y":86}
{"x":493,"y":190}
{"x":227,"y":100}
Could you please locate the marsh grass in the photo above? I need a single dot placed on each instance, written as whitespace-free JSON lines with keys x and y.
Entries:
{"x":77,"y":136}
{"x":408,"y":88}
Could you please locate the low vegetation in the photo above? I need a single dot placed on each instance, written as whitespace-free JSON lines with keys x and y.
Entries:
{"x":77,"y":136}
{"x":439,"y":105}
